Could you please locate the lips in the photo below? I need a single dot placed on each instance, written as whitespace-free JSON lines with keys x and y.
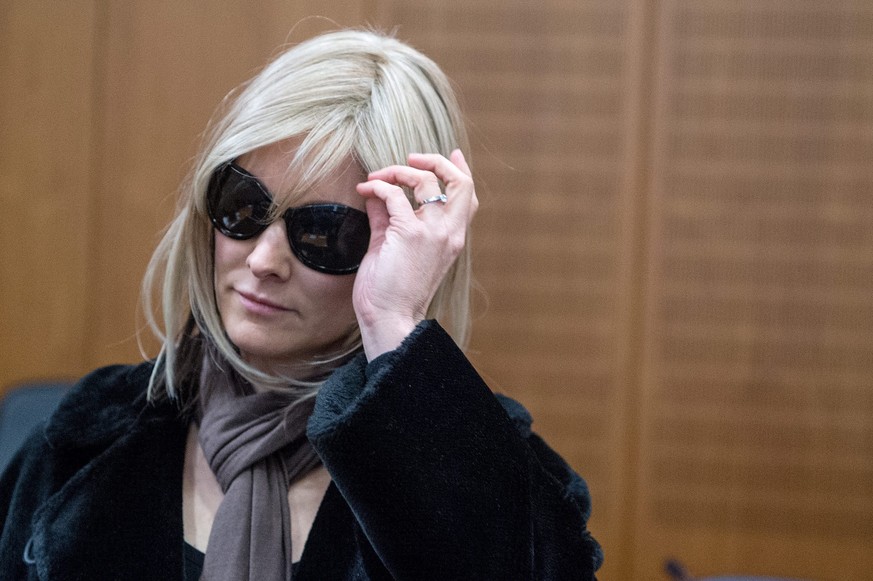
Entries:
{"x":259,"y":304}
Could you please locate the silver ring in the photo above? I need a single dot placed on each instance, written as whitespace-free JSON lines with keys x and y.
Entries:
{"x":440,"y":198}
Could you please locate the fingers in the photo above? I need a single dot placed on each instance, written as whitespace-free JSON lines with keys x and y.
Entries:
{"x":456,"y":174}
{"x":445,"y":169}
{"x":424,"y":184}
{"x":377,"y":213}
{"x":457,"y":158}
{"x":424,"y":174}
{"x":393,"y":197}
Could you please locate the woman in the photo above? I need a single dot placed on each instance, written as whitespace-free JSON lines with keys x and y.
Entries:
{"x":307,"y":416}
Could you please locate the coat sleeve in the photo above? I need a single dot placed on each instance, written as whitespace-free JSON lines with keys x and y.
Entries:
{"x":24,"y":485}
{"x":444,"y":480}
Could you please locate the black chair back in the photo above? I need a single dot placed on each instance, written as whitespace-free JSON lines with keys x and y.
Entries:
{"x":23,"y":408}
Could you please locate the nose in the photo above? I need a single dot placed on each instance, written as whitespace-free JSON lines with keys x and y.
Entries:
{"x":271,"y":254}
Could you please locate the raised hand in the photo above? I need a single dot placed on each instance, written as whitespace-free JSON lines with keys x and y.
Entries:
{"x":411,"y":249}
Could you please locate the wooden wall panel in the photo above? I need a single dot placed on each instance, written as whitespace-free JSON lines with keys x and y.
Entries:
{"x":757,"y":441}
{"x":548,"y":89}
{"x":45,"y":154}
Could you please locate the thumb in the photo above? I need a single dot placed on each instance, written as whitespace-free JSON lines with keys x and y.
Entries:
{"x":377,"y":213}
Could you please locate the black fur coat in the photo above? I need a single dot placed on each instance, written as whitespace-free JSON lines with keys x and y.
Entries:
{"x":433,"y":478}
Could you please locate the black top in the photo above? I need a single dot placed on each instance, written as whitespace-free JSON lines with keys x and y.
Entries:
{"x":193,"y":563}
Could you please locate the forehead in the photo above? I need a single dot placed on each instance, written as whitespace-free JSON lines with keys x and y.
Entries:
{"x":273,"y":165}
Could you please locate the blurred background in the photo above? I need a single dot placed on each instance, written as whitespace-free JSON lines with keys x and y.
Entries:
{"x":675,"y":244}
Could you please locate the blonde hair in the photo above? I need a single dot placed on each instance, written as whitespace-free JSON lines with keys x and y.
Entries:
{"x":348,"y":93}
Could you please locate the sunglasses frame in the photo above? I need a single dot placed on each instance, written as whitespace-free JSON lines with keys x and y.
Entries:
{"x":217,"y":181}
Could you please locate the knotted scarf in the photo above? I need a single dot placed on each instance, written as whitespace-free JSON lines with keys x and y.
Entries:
{"x":256,"y":445}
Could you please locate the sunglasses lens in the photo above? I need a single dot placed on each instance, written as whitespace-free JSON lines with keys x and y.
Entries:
{"x":238,"y":206}
{"x":331,"y":238}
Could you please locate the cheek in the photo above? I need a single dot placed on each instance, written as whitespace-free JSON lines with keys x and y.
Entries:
{"x":228,"y":254}
{"x":335,"y":296}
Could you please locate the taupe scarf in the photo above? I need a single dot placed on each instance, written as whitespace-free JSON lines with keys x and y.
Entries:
{"x":256,"y":445}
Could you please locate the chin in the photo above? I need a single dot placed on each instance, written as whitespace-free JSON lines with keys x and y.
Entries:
{"x":259,"y":346}
{"x":256,"y":348}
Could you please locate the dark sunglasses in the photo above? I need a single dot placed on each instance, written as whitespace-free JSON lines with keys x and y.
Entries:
{"x":330,"y":238}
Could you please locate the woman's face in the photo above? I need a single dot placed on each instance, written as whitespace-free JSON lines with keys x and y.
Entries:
{"x":276,"y":310}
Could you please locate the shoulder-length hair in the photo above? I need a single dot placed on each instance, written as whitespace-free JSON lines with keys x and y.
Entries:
{"x":350,"y":93}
